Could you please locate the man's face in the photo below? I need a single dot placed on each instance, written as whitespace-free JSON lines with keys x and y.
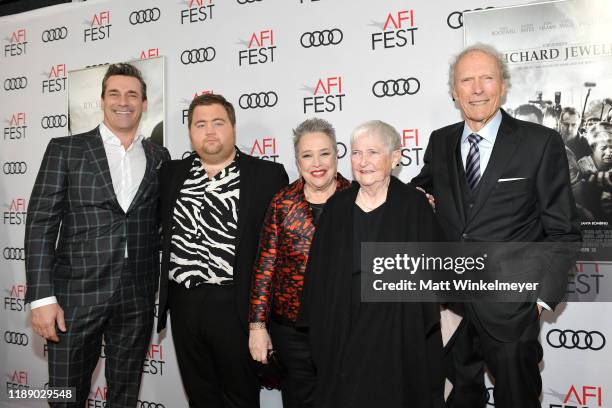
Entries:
{"x":122,"y":104}
{"x":602,"y":154}
{"x":478,"y":88}
{"x":212,"y":134}
{"x":568,"y":126}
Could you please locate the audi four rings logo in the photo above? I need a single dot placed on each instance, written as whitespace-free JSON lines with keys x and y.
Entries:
{"x":246,"y":1}
{"x":148,"y":404}
{"x":54,"y":34}
{"x":198,"y":55}
{"x":578,"y":339}
{"x":455,"y":19}
{"x":396,"y":87}
{"x":53,"y":121}
{"x":258,"y":100}
{"x":12,"y":84}
{"x":321,"y":38}
{"x":15,"y":168}
{"x":145,"y":16}
{"x":13,"y":254}
{"x":18,"y":339}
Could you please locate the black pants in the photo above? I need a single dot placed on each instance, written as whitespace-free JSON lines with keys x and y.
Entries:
{"x":212,"y":347}
{"x":125,"y":322}
{"x":513,"y":365}
{"x":298,"y":384}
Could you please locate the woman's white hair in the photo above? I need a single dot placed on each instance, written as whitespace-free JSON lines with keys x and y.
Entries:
{"x":387,"y":133}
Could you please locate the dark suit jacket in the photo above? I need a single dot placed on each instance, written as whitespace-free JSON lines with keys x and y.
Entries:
{"x":539,"y":207}
{"x":259,"y":181}
{"x":73,"y":194}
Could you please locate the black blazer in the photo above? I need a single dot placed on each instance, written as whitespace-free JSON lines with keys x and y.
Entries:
{"x":74,"y":189}
{"x":326,"y":304}
{"x":259,"y":181}
{"x":537,"y":207}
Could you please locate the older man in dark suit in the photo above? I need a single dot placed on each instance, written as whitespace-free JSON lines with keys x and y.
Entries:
{"x":97,"y":280}
{"x":498,"y":179}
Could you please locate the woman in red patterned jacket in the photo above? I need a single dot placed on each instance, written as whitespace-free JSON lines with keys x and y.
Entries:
{"x":283,"y":253}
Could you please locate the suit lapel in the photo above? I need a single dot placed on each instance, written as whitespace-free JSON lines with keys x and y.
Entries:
{"x":248,"y":177}
{"x":454,"y":140}
{"x":504,"y":148}
{"x":96,"y":158}
{"x":149,"y":174}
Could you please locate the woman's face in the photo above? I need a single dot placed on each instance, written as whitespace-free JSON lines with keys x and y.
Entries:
{"x":317,"y":160}
{"x":602,"y":156}
{"x":371,"y":161}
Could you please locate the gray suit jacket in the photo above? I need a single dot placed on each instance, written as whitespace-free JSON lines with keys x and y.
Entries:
{"x":73,"y":195}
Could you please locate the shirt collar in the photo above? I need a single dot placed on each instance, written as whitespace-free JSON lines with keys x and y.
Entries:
{"x":488,"y":132}
{"x":109,"y":137}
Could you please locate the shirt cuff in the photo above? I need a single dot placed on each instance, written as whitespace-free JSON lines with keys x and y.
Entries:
{"x":544,"y":305}
{"x":43,"y":302}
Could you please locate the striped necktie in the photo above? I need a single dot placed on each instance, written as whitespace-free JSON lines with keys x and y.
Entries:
{"x":472,"y":163}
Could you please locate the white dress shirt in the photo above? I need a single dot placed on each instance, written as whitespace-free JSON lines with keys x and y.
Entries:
{"x":127,"y":168}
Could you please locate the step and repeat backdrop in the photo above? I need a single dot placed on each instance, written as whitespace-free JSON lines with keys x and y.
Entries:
{"x":279,"y":62}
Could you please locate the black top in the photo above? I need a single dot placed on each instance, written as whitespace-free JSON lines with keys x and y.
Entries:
{"x":370,"y":354}
{"x":316,"y":210}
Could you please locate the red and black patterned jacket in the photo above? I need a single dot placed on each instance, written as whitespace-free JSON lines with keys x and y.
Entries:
{"x":286,"y":235}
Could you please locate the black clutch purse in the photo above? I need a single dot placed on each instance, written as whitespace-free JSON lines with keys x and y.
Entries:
{"x":270,"y":374}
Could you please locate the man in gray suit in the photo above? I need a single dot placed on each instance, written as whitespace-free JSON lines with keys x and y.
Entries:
{"x":97,"y":279}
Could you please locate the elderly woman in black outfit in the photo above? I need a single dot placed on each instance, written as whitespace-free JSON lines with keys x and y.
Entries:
{"x":370,"y":354}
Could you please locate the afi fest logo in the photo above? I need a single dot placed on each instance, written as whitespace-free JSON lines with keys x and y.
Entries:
{"x":154,"y":360}
{"x":97,"y":397}
{"x":259,"y":49}
{"x":15,"y":301}
{"x":411,"y":148}
{"x":16,"y":43}
{"x":397,"y":30}
{"x":197,"y":11}
{"x":187,"y":101}
{"x":327,"y":95}
{"x":99,"y":27}
{"x":586,"y":281}
{"x":16,"y":214}
{"x":17,"y":380}
{"x":56,"y":79}
{"x":265,"y":148}
{"x":585,"y":396}
{"x":17,"y":125}
{"x":149,"y":53}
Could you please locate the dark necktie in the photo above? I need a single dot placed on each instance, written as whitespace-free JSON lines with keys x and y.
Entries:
{"x":472,"y":163}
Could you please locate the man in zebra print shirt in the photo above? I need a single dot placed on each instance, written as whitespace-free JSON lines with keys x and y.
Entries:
{"x":212,"y":206}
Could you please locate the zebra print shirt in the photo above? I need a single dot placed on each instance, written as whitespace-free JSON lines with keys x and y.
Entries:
{"x":205,"y":226}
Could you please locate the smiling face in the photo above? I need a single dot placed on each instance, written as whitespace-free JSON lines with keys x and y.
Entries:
{"x":212,"y":134}
{"x":123,"y":105}
{"x":371,"y":160}
{"x":317,"y":160}
{"x":478,"y":88}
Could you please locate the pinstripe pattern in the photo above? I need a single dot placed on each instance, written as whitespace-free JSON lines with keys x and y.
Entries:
{"x":472,"y":163}
{"x":103,"y":293}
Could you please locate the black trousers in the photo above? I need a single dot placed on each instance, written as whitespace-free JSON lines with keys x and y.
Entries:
{"x":293,"y":348}
{"x":125,"y":323}
{"x":212,"y":347}
{"x":513,"y":365}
